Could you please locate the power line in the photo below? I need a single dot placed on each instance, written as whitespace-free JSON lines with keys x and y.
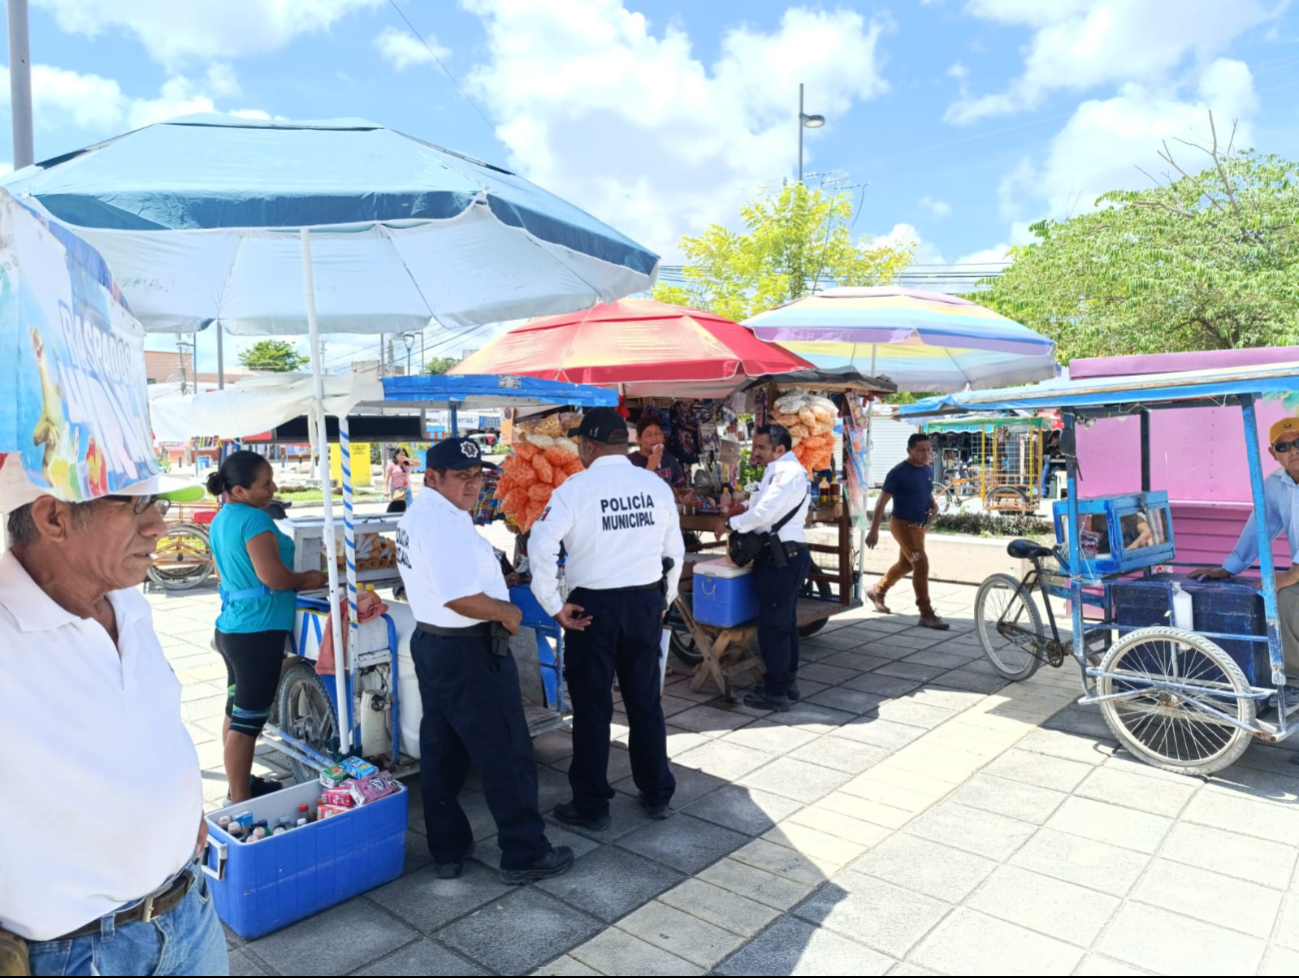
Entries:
{"x":447,"y":71}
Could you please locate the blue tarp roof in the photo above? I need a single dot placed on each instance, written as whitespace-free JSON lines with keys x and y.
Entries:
{"x":1183,"y":388}
{"x":484,"y":392}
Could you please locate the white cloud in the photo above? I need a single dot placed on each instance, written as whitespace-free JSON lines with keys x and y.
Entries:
{"x":98,"y":105}
{"x":625,"y":121}
{"x":401,"y":49}
{"x":923,"y":252}
{"x":177,"y":31}
{"x":1106,"y":140}
{"x":936,"y":208}
{"x":1081,"y":44}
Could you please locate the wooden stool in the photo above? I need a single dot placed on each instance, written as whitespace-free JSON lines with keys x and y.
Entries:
{"x":727,"y":653}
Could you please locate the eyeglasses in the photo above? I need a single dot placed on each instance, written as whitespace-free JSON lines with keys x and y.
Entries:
{"x":1282,"y":447}
{"x":141,"y":504}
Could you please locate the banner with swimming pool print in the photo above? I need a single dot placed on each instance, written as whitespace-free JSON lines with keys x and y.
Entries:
{"x":71,"y":363}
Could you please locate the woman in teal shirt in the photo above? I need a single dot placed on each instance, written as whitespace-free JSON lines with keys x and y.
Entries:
{"x":258,"y":604}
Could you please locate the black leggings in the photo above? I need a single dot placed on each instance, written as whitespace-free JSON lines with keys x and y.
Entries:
{"x":253,"y":663}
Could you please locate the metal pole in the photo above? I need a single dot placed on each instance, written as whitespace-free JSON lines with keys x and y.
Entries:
{"x":349,"y":554}
{"x":221,"y":357}
{"x":1265,"y":562}
{"x":327,"y":488}
{"x":800,"y":132}
{"x":20,"y":84}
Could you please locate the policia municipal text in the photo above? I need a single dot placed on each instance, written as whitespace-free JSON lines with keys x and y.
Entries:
{"x":468,"y":682}
{"x":620,"y":527}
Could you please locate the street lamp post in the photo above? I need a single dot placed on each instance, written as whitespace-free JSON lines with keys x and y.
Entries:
{"x":409,"y":340}
{"x":805,"y":121}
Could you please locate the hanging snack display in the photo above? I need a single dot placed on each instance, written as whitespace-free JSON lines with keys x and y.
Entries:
{"x":810,"y":419}
{"x":543,"y":458}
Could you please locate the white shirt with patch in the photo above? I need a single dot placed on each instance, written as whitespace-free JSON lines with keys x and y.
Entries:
{"x":104,"y":792}
{"x":442,"y":557}
{"x":783,"y":484}
{"x":617,"y":523}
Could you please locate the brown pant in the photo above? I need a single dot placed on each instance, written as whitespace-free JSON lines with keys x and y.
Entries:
{"x":911,"y":560}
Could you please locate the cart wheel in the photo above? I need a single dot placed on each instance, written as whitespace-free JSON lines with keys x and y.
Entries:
{"x":183,"y":559}
{"x":945,"y":497}
{"x":1011,"y":498}
{"x":681,"y":643}
{"x":1009,"y":626}
{"x":1185,"y":732}
{"x":306,"y":713}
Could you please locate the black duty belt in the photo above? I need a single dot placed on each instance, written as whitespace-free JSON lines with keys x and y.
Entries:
{"x":152,"y":907}
{"x":622,"y":590}
{"x":483,"y":630}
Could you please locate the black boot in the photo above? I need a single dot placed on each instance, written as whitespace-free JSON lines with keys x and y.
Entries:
{"x":760,"y":699}
{"x":554,"y":863}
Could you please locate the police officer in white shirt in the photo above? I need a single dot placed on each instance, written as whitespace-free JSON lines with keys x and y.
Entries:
{"x":781,"y":568}
{"x":620,"y":528}
{"x":468,"y":681}
{"x":102,"y":821}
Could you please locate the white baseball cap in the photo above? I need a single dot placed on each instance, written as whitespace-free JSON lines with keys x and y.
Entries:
{"x":17,"y":491}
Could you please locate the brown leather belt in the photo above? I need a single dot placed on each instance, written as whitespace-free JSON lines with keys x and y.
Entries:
{"x":152,"y":907}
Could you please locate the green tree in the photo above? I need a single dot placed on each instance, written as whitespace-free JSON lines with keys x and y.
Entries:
{"x":792,"y":244}
{"x":440,"y":365}
{"x":277,"y":356}
{"x":1205,"y":261}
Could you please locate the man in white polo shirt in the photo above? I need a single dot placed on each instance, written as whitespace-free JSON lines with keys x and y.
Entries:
{"x":103,"y":816}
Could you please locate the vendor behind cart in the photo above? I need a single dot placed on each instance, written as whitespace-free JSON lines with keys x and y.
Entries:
{"x":258,"y":603}
{"x":652,"y":453}
{"x":1281,"y":500}
{"x":468,"y":680}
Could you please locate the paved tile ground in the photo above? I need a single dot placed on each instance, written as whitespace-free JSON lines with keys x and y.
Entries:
{"x":910,"y":817}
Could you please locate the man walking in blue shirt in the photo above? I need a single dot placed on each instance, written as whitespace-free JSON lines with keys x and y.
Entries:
{"x":910,"y":485}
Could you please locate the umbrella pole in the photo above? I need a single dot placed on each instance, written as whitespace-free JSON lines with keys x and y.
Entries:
{"x":327,"y":487}
{"x":866,"y":491}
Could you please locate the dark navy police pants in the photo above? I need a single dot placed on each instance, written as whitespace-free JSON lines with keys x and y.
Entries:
{"x":473,"y":712}
{"x":624,"y":638}
{"x":778,"y":589}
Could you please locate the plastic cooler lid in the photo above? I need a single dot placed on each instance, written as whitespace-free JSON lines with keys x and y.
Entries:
{"x":722,"y":568}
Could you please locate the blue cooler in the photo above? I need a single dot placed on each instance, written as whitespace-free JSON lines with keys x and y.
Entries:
{"x":724,"y":595}
{"x":259,"y":887}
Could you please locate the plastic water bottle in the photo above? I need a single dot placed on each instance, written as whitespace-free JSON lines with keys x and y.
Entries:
{"x":1183,"y":609}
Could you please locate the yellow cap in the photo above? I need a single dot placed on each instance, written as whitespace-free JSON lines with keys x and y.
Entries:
{"x":1285,"y":426}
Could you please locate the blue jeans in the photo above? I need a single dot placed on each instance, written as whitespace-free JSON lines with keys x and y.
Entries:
{"x":187,"y":941}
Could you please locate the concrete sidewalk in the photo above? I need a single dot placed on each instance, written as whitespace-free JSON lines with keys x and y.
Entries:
{"x":911,"y":816}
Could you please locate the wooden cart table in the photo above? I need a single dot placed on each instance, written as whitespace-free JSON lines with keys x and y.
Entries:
{"x":727,"y":653}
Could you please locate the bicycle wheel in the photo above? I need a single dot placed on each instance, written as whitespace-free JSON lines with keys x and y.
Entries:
{"x":1009,"y":627}
{"x":183,"y":558}
{"x":1186,"y":731}
{"x":944,"y":496}
{"x":1006,"y":498}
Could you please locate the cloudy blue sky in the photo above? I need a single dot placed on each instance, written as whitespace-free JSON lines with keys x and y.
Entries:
{"x":963,"y":120}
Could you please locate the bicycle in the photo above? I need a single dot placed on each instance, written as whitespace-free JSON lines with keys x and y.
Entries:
{"x":1170,"y":696}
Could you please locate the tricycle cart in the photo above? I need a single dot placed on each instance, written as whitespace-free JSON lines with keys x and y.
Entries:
{"x":1185,"y":673}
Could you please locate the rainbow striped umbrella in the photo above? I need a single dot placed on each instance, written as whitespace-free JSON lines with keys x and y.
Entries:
{"x":922,"y":341}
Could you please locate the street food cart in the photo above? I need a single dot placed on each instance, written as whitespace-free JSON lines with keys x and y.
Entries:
{"x":1185,"y":672}
{"x":378,"y":715}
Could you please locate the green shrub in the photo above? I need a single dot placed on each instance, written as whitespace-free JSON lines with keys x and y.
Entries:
{"x":991,"y":525}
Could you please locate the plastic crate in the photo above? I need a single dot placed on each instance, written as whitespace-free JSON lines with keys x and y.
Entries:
{"x":1218,"y":607}
{"x":1231,"y":608}
{"x":260,"y":887}
{"x":724,"y":595}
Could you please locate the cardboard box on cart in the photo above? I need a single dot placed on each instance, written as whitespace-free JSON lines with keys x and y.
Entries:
{"x":262,"y":886}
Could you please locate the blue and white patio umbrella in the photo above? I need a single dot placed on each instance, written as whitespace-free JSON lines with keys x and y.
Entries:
{"x":325,"y":227}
